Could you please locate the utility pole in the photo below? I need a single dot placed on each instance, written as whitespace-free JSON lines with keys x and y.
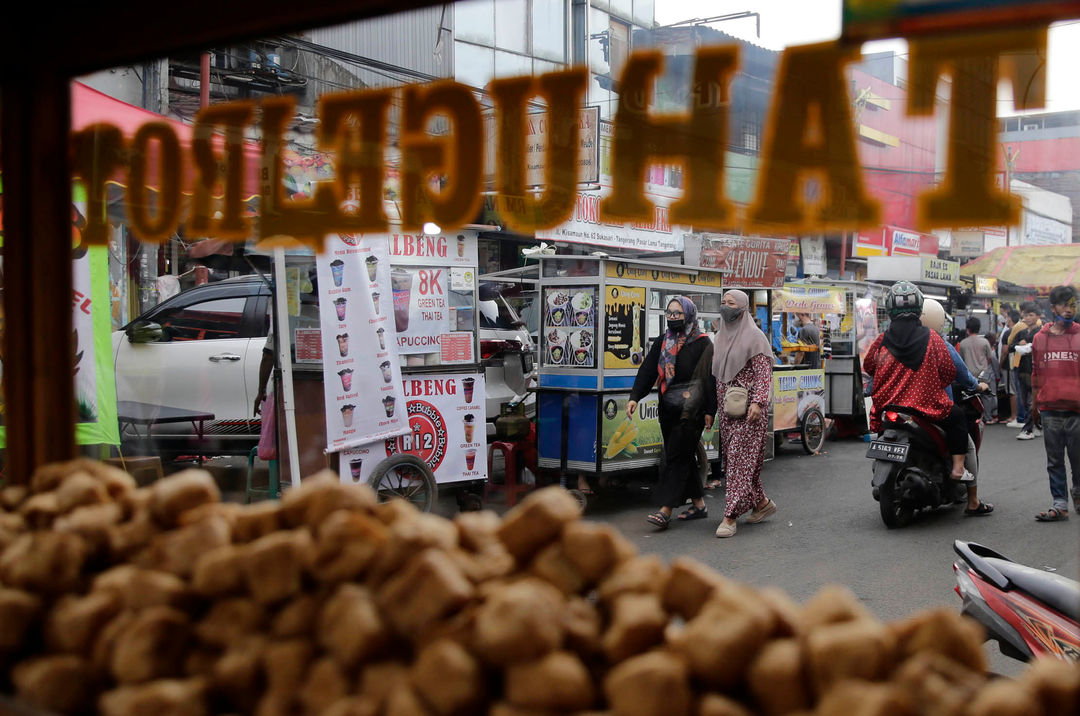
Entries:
{"x":1010,"y":162}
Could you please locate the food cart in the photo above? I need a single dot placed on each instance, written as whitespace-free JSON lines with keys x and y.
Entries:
{"x":381,"y":371}
{"x":599,"y":316}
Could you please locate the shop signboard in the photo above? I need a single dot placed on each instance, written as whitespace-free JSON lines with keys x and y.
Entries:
{"x":813,"y":256}
{"x":453,"y":249}
{"x":537,"y":131}
{"x":624,"y":327}
{"x":361,"y":369}
{"x":940,"y":271}
{"x":628,"y":441}
{"x":966,"y":243}
{"x":446,"y":429}
{"x":920,"y":269}
{"x":587,"y":227}
{"x":793,"y":393}
{"x":793,"y":298}
{"x":747,"y":261}
{"x":986,"y":286}
{"x":905,"y":242}
{"x":881,"y":19}
{"x":638,"y":272}
{"x":1044,"y":231}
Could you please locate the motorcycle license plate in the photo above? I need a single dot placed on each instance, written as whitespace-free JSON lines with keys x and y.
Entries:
{"x":881,"y":450}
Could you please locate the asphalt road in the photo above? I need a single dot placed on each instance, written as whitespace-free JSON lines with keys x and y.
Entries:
{"x":828,"y":529}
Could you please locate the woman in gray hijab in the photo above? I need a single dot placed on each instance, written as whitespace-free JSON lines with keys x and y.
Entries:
{"x":742,"y":357}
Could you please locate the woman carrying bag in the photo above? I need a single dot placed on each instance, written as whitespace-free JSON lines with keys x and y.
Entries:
{"x":680,"y":363}
{"x":742,"y":364}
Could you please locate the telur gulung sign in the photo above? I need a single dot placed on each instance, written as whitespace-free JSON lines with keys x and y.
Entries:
{"x":799,"y":144}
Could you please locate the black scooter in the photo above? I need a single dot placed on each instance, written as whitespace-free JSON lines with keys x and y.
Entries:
{"x":912,"y":465}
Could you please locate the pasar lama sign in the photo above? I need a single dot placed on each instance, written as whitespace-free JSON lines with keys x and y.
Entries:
{"x":810,"y":135}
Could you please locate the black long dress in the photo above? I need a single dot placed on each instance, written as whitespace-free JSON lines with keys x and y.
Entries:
{"x":681,"y":428}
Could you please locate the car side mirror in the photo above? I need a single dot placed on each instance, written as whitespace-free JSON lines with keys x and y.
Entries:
{"x":144,"y":332}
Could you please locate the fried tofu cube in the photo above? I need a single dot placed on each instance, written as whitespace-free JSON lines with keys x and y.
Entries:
{"x":93,"y":523}
{"x":637,"y":624}
{"x":318,"y":496}
{"x":1055,"y":683}
{"x":459,"y":686}
{"x":132,"y":535}
{"x":142,"y":588}
{"x":595,"y":549}
{"x":346,"y":545}
{"x":519,"y":622}
{"x":639,"y":574}
{"x":256,"y":520}
{"x":786,"y":613}
{"x":553,"y":564}
{"x":538,"y":520}
{"x":274,"y":565}
{"x":229,"y":621}
{"x":48,"y":477}
{"x":178,"y":550}
{"x":79,"y":489}
{"x":480,"y":567}
{"x":936,"y":685}
{"x":689,"y":586}
{"x":297,"y":617}
{"x":19,"y":612}
{"x":350,"y":627}
{"x":75,"y":621}
{"x":40,"y":510}
{"x":236,"y":674}
{"x":165,"y":697}
{"x":582,"y":624}
{"x":409,"y":536}
{"x":717,"y":705}
{"x":653,"y":684}
{"x":151,"y":647}
{"x":380,"y":680}
{"x":857,"y":649}
{"x":325,"y":684}
{"x":219,"y":572}
{"x":352,"y":706}
{"x":176,"y":494}
{"x":429,"y":589}
{"x":49,"y":562}
{"x":285,"y":664}
{"x":719,"y":647}
{"x":61,"y":684}
{"x":945,"y":632}
{"x":557,"y":682}
{"x":853,"y":697}
{"x":477,"y":531}
{"x":12,"y":496}
{"x":777,"y":678}
{"x":833,"y":603}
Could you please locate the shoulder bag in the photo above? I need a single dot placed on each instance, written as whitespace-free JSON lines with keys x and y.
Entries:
{"x":736,"y":401}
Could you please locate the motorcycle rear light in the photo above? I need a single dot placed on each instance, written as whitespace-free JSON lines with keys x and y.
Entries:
{"x":965,"y":586}
{"x":892,"y":416}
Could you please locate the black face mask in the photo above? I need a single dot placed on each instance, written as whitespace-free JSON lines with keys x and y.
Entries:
{"x":675,"y":325}
{"x":730,"y":313}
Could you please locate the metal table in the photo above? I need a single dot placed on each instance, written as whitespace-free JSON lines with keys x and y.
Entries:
{"x":132,"y":413}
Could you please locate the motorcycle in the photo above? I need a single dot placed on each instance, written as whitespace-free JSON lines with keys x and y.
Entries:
{"x":912,"y":465}
{"x":1028,"y":612}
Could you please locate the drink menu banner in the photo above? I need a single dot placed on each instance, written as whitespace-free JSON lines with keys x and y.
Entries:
{"x":361,"y":370}
{"x":447,"y":430}
{"x":421,"y":307}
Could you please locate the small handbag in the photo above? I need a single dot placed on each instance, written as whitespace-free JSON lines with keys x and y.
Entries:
{"x":736,"y":401}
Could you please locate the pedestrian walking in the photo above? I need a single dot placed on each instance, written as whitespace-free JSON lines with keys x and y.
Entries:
{"x":1055,"y":379}
{"x":979,"y":358}
{"x":1021,"y":346}
{"x":742,"y":365}
{"x":680,"y":363}
{"x":1008,"y":368}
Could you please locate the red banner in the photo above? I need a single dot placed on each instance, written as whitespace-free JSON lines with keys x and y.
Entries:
{"x":747,"y":262}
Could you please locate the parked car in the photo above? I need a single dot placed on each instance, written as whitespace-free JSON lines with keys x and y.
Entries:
{"x":207,"y":353}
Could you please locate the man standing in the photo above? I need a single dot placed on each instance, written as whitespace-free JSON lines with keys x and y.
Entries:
{"x":1056,"y":380}
{"x":1021,"y":346}
{"x":1008,"y":369}
{"x":978,"y":356}
{"x":809,"y":336}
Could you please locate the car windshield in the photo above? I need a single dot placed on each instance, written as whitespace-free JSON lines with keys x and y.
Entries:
{"x":496,"y":313}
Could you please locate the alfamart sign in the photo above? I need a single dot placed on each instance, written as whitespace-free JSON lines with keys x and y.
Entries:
{"x":810,"y":134}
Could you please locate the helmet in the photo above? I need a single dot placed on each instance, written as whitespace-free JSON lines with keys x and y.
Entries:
{"x":933,"y":315}
{"x":903,"y":298}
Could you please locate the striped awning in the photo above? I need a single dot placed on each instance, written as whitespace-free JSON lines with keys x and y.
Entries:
{"x":1035,"y":267}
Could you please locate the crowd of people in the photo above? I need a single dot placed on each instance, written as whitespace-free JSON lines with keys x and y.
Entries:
{"x":727,"y":373}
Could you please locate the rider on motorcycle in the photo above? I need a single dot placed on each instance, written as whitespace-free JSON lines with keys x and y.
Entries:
{"x":911,"y":367}
{"x":933,"y":317}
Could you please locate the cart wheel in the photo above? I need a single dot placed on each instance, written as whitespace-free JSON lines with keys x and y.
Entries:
{"x":407,"y":477}
{"x":813,"y":431}
{"x":582,"y":500}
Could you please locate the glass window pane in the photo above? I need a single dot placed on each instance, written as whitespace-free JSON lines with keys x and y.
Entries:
{"x":473,"y":65}
{"x":549,"y":29}
{"x":474,"y":20}
{"x":541,"y":67}
{"x":508,"y":64}
{"x":644,"y":12}
{"x":598,"y":36}
{"x":221,"y":318}
{"x":511,"y":25}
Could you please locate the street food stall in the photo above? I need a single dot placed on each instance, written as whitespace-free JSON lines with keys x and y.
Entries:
{"x":599,"y":316}
{"x":381,"y":374}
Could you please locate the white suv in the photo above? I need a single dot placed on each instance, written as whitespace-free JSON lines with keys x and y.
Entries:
{"x":208,"y":352}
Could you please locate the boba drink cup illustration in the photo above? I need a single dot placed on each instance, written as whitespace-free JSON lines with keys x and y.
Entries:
{"x":339,"y":306}
{"x":387,"y":376}
{"x":343,"y":344}
{"x":375,"y":300}
{"x":468,"y":384}
{"x":388,"y":405}
{"x":382,"y":338}
{"x":337,"y":269}
{"x":354,"y":468}
{"x":346,"y":378}
{"x":470,"y":426}
{"x":372,"y":266}
{"x":347,"y":415}
{"x":401,"y":283}
{"x":470,"y":459}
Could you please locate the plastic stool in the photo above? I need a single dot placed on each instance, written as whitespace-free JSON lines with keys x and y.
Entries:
{"x":272,"y":490}
{"x":518,"y":453}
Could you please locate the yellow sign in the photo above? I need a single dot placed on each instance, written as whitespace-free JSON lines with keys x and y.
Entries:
{"x":809,"y":299}
{"x":986,"y":285}
{"x":624,"y":328}
{"x":632,"y":272}
{"x":793,"y":393}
